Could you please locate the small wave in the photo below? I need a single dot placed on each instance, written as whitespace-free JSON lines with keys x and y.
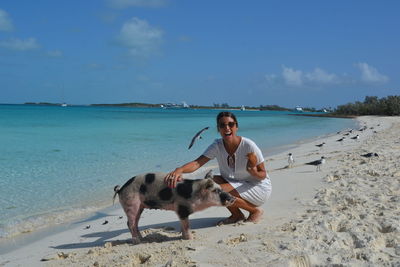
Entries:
{"x":41,"y":221}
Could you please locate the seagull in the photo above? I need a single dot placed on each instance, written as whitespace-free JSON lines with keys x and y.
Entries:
{"x":356,"y":137}
{"x":320,"y":145}
{"x":290,"y":160}
{"x":105,"y":222}
{"x":87,"y":226}
{"x":197,"y":136}
{"x":370,"y":155}
{"x":317,"y":163}
{"x":341,"y":139}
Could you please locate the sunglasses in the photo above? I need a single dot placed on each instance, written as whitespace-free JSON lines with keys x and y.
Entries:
{"x":231,"y":124}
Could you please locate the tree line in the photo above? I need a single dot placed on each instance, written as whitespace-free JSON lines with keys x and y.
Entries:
{"x":372,"y":105}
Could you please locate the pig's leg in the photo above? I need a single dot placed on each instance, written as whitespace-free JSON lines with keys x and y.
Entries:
{"x":185,"y":226}
{"x":133,"y":210}
{"x":137,"y":221}
{"x":183,"y":213}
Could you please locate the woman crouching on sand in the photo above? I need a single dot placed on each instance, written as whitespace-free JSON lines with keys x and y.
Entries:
{"x":242,"y":169}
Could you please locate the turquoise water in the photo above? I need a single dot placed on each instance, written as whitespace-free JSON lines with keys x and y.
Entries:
{"x":60,"y":162}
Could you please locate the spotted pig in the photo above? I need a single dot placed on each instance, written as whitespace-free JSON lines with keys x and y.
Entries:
{"x":149,"y":191}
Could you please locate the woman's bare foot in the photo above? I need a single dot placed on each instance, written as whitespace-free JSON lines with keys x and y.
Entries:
{"x":256,"y":216}
{"x":230,"y":220}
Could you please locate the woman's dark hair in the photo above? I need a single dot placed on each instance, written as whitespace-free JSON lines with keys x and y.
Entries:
{"x":227,"y":114}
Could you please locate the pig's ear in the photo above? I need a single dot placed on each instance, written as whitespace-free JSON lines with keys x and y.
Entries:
{"x":206,"y":186}
{"x":208,"y":175}
{"x":209,"y":184}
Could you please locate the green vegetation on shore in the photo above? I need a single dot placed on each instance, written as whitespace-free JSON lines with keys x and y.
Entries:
{"x":372,"y":105}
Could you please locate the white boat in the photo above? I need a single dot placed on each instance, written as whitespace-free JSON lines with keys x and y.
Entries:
{"x":242,"y":108}
{"x":184,"y":105}
{"x":298,"y":109}
{"x":64,"y":104}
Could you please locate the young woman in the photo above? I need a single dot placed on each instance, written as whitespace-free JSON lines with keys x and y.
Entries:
{"x":242,"y":169}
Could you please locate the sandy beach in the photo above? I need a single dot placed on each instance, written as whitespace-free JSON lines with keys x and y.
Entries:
{"x":347,"y":213}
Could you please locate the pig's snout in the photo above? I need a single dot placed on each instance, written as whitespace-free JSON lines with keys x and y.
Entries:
{"x":226,"y":198}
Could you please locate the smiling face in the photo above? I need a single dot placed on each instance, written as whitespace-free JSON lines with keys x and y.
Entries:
{"x":227,"y":127}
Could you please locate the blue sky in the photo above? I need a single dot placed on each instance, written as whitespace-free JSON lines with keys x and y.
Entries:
{"x":258,"y":52}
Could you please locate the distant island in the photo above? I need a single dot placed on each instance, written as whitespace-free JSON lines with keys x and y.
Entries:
{"x":372,"y":105}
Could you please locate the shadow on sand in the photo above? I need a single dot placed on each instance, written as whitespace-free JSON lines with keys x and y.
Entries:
{"x":109,"y":236}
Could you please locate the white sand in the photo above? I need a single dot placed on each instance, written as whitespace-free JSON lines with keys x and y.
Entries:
{"x":346,"y":214}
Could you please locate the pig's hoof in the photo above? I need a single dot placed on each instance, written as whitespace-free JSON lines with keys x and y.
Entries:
{"x":135,"y":240}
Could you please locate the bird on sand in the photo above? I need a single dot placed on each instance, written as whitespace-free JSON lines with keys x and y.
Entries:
{"x":370,"y":155}
{"x":320,"y":145}
{"x":356,"y":137}
{"x":317,"y":163}
{"x":290,"y":160}
{"x":341,"y":140}
{"x":197,"y":136}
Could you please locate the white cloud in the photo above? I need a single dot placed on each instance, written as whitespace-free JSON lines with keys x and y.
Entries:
{"x":320,"y":76}
{"x":140,"y":38}
{"x":5,"y":22}
{"x":292,"y":77}
{"x":20,"y":45}
{"x":121,"y":4}
{"x":371,"y":74}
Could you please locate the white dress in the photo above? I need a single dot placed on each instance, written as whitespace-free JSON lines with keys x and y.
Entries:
{"x":250,"y":188}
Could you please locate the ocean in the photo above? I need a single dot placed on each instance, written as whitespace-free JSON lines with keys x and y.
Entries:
{"x":59,"y":163}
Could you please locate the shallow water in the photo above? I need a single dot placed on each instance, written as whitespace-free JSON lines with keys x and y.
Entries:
{"x":60,"y":162}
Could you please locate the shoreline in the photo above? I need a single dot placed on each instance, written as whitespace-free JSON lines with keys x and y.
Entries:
{"x":280,"y":209}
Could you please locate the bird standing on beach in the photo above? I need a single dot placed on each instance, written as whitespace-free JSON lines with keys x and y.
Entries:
{"x":320,"y":145}
{"x":356,"y":137}
{"x":317,"y":163}
{"x":290,"y":160}
{"x":341,"y":140}
{"x":370,"y":155}
{"x":197,"y":136}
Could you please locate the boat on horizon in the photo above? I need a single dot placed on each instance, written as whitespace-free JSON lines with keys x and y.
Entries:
{"x":298,"y":109}
{"x":184,"y":105}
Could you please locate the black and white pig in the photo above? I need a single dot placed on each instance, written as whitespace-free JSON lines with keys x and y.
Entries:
{"x":149,"y":191}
